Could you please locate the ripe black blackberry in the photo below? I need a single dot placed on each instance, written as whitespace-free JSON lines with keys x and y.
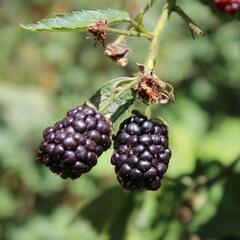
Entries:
{"x":141,"y":153}
{"x":71,"y":147}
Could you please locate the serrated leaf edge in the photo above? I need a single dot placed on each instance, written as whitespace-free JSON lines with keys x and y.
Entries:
{"x":40,"y":25}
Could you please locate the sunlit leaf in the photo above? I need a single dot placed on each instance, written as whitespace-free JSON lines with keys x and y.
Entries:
{"x":77,"y":21}
{"x":108,"y":100}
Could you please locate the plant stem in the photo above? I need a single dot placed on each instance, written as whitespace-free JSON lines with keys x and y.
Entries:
{"x":147,"y":112}
{"x":129,"y":33}
{"x":157,"y":33}
{"x":191,"y":24}
{"x":148,"y":6}
{"x":120,"y":39}
{"x":134,"y":24}
{"x":209,"y":182}
{"x":153,"y":49}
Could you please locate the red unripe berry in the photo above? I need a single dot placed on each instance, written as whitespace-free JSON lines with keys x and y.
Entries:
{"x":228,"y":6}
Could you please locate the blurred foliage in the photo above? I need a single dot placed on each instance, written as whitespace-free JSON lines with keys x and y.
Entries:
{"x":42,"y":75}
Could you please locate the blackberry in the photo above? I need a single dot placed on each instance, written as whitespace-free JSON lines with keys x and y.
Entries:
{"x":228,"y":6}
{"x":141,"y":153}
{"x":71,"y":147}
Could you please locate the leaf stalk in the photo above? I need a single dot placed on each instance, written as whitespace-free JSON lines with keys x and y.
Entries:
{"x":191,"y":24}
{"x":129,"y":33}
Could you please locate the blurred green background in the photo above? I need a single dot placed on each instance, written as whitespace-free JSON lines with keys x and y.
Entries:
{"x":42,"y":75}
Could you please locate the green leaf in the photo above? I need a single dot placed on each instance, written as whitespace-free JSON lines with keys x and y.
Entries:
{"x":222,"y":142}
{"x":8,"y":205}
{"x":77,"y":21}
{"x":155,"y":216}
{"x":118,"y":227}
{"x":227,"y":209}
{"x":109,"y":100}
{"x":124,"y":110}
{"x":185,"y":118}
{"x":95,"y":211}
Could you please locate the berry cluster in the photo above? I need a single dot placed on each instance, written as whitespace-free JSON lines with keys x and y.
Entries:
{"x":71,"y":147}
{"x":141,"y":153}
{"x":229,"y":6}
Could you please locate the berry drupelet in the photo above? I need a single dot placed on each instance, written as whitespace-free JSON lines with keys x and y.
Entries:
{"x":141,"y":153}
{"x":71,"y":147}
